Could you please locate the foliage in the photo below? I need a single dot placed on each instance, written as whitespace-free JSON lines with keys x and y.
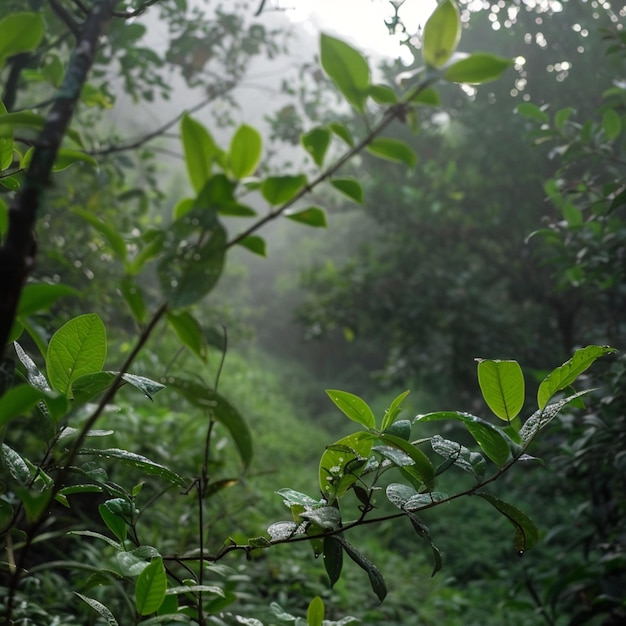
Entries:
{"x":59,"y":391}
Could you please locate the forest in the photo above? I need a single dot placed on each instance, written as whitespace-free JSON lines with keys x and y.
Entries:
{"x":295,"y":331}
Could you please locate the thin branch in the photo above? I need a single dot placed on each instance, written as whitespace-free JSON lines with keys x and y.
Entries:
{"x":66,"y":17}
{"x":137,"y":143}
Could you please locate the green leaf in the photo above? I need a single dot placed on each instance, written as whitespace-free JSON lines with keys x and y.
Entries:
{"x":99,"y":608}
{"x":353,"y":407}
{"x":292,"y":497}
{"x":350,"y":187}
{"x":611,"y":124}
{"x":281,"y":189}
{"x":526,"y":533}
{"x":150,"y":587}
{"x":382,"y":94}
{"x":78,"y":348}
{"x":561,"y":117}
{"x":316,"y":143}
{"x":315,"y":612}
{"x":333,"y":558}
{"x":19,"y":32}
{"x":347,"y":68}
{"x":441,"y":34}
{"x":200,"y":151}
{"x":342,"y":463}
{"x":134,"y":298}
{"x":471,"y":462}
{"x":393,"y":411}
{"x":246,"y":147}
{"x":18,"y":401}
{"x":422,"y":531}
{"x":110,"y":233}
{"x":219,"y":409}
{"x":66,"y":158}
{"x":376,"y":578}
{"x":427,"y":97}
{"x":193,"y":255}
{"x":342,"y":132}
{"x":132,"y":563}
{"x":492,"y":441}
{"x":311,"y":216}
{"x":37,"y":297}
{"x":15,"y":465}
{"x":477,"y":68}
{"x":393,"y":150}
{"x":137,"y":461}
{"x":566,"y":374}
{"x":532,"y":112}
{"x":326,"y":517}
{"x":502,"y":386}
{"x":189,"y":332}
{"x":115,"y":523}
{"x":254,"y":244}
{"x":541,"y":418}
{"x":424,"y":468}
{"x":28,"y":119}
{"x":87,"y":388}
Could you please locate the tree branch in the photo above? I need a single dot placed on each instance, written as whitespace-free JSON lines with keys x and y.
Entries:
{"x":17,"y":255}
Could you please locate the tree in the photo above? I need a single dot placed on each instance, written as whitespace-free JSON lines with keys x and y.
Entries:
{"x":67,"y":389}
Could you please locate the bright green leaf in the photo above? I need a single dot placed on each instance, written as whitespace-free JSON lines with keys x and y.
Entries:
{"x":311,"y":216}
{"x":441,"y":34}
{"x":78,"y":348}
{"x":150,"y":587}
{"x":566,"y":374}
{"x":281,"y":189}
{"x":393,"y":411}
{"x":315,"y":612}
{"x":342,"y":463}
{"x":37,"y":297}
{"x":611,"y":124}
{"x":115,"y":523}
{"x":246,"y":147}
{"x":189,"y":332}
{"x":316,"y":143}
{"x":350,"y":187}
{"x":342,"y":132}
{"x":18,"y":401}
{"x":393,"y":150}
{"x":477,"y":68}
{"x":200,"y":151}
{"x":502,"y":386}
{"x":347,"y":68}
{"x":353,"y":407}
{"x":428,"y":97}
{"x":382,"y":94}
{"x":20,"y":32}
{"x":254,"y":244}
